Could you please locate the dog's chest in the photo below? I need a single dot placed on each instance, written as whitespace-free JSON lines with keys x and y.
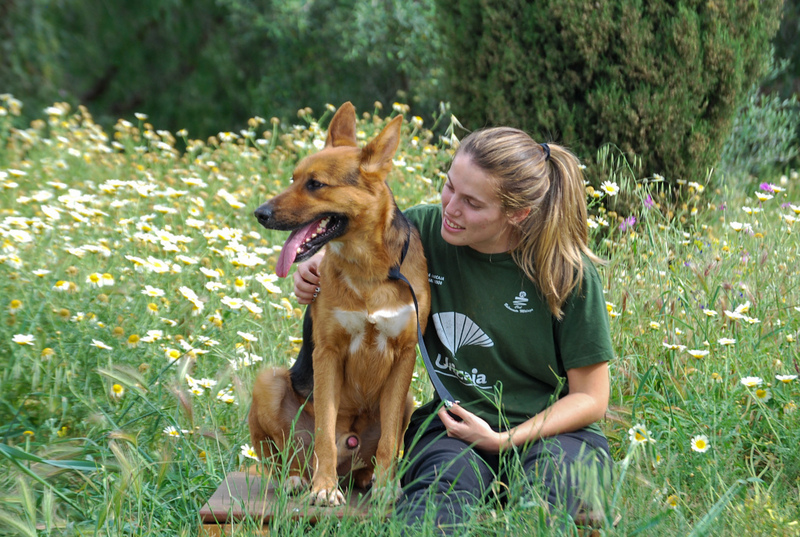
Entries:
{"x":374,"y":328}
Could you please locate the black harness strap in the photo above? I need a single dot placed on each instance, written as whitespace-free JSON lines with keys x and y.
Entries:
{"x":395,"y":274}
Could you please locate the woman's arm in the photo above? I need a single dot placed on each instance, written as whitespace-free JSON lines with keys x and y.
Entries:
{"x":586,"y":403}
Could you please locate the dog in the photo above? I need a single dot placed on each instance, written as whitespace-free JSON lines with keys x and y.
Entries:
{"x":347,"y":393}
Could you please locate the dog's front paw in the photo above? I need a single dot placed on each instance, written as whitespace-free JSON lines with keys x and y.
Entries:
{"x":327,"y":497}
{"x":295,"y":484}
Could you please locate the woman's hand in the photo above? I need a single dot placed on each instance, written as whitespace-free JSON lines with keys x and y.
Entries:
{"x":471,"y":429}
{"x":306,"y":279}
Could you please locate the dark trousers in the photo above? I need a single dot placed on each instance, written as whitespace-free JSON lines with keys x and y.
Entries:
{"x":445,"y":480}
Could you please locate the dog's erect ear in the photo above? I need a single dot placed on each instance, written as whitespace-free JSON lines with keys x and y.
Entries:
{"x":378,"y":154}
{"x":342,"y":130}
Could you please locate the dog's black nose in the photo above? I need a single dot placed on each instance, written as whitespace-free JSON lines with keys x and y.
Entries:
{"x":263,"y":213}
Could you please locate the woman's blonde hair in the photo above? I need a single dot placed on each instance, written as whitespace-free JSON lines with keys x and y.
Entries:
{"x":547,"y":179}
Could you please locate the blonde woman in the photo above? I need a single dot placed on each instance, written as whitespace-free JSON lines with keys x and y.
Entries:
{"x":518,"y":334}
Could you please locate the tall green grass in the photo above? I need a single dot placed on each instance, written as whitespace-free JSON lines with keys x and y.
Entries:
{"x":110,"y":428}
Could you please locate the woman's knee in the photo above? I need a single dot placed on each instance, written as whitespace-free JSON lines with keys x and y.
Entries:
{"x":572,"y":472}
{"x":442,"y":480}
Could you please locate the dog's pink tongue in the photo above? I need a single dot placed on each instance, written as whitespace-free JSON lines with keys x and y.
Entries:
{"x":289,"y":250}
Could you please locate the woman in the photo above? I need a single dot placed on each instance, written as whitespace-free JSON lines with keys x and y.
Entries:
{"x":521,"y":334}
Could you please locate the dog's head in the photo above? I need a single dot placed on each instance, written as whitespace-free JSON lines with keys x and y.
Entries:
{"x":331,"y":189}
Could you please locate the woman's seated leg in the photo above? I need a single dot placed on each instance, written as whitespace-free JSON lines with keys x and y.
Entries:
{"x":442,"y":480}
{"x":572,"y":472}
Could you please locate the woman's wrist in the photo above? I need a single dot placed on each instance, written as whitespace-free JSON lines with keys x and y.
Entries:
{"x":504,"y":442}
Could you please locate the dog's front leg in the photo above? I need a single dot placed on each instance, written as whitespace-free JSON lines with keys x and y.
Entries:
{"x":328,"y":373}
{"x":393,"y":415}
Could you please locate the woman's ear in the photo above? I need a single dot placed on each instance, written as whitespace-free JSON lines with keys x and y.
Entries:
{"x":519,"y":215}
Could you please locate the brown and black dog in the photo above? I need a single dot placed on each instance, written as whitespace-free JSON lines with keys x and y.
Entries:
{"x":347,"y":393}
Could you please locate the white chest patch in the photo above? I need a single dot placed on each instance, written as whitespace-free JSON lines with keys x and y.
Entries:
{"x":388,"y":324}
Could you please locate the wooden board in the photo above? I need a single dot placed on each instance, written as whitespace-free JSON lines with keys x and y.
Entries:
{"x":249,"y":495}
{"x":244,"y":495}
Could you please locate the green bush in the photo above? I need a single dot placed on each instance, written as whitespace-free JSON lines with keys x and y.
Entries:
{"x":661,"y":79}
{"x":765,"y":135}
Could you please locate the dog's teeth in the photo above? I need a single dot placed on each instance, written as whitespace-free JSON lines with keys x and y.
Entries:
{"x":299,"y":250}
{"x":313,"y":235}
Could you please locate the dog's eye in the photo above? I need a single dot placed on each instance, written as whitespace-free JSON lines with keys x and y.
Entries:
{"x":313,"y":184}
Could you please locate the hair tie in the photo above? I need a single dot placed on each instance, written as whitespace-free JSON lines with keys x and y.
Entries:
{"x":546,"y":149}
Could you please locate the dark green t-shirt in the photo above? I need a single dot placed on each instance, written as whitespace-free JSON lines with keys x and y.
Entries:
{"x":491,"y":337}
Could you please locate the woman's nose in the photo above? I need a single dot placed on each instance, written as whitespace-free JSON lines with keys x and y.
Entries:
{"x":452,"y":207}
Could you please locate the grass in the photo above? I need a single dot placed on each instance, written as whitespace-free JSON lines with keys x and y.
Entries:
{"x":139,"y":300}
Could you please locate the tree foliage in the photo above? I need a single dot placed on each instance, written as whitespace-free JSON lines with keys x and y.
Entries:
{"x":787,"y":46}
{"x":661,"y":79}
{"x":205,"y":64}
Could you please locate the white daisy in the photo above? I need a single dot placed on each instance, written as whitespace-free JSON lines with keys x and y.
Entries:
{"x":23,"y":339}
{"x":610,"y":188}
{"x":247,"y":336}
{"x":763,"y":394}
{"x":638,"y":434}
{"x":248,"y":452}
{"x":752,"y":382}
{"x":152,"y":291}
{"x":700,"y":443}
{"x":100,"y":345}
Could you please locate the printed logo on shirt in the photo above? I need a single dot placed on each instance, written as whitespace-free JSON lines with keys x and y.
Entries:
{"x":519,"y":303}
{"x":475,"y":378}
{"x":435,"y":279}
{"x":456,"y":330}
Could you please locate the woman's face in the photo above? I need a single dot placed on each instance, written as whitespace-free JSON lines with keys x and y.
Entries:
{"x":471,"y":211}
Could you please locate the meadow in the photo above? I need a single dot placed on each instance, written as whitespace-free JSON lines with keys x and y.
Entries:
{"x":138,"y":300}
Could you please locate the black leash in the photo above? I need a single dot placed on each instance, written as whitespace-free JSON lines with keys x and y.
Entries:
{"x":395,"y":274}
